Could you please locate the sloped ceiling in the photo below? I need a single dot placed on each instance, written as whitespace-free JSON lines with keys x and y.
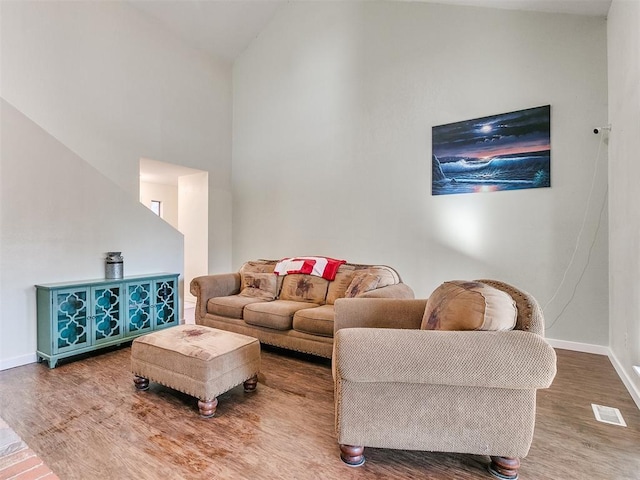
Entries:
{"x":224,"y":28}
{"x":577,"y":7}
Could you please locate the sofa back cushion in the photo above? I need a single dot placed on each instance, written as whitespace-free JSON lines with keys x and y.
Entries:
{"x":353,"y":280}
{"x":259,"y":285}
{"x":338,"y":287}
{"x":386,"y":275}
{"x":252,"y":284}
{"x":362,"y":282}
{"x":258,"y":266}
{"x":461,"y":305}
{"x":304,"y":288}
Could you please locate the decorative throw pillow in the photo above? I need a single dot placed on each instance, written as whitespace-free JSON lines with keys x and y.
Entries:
{"x":260,"y":285}
{"x":361,"y":283}
{"x":258,"y":266}
{"x":338,"y":287}
{"x":386,"y":276}
{"x":304,"y":288}
{"x":460,"y":305}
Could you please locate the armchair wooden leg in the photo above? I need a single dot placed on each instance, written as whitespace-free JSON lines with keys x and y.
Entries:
{"x":504,"y":468}
{"x":352,"y":455}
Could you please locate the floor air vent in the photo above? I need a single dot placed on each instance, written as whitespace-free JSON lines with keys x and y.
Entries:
{"x":608,"y":415}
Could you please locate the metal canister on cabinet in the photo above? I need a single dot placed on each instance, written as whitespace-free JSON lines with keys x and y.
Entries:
{"x":114,"y":265}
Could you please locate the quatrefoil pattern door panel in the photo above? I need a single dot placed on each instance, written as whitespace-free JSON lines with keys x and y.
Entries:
{"x":82,"y":316}
{"x":71,"y":320}
{"x":139,"y":306}
{"x":166,"y":303}
{"x":107,"y":313}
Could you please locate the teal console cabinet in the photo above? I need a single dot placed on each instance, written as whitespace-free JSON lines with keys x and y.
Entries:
{"x":79,"y":317}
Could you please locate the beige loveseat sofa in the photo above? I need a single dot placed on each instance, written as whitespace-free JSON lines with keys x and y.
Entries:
{"x":293,"y":311}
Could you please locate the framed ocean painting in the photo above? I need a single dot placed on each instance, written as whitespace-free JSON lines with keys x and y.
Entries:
{"x":510,"y":151}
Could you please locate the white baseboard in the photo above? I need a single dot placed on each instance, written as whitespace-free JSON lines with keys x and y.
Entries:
{"x":601,"y":350}
{"x":631,"y":386}
{"x":579,"y":347}
{"x":8,"y":363}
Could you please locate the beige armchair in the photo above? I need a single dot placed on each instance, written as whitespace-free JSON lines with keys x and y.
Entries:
{"x":397,"y":386}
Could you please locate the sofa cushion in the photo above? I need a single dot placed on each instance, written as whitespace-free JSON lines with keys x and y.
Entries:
{"x":362,"y":282}
{"x":461,"y":305}
{"x":277,"y":314}
{"x":304,"y":288}
{"x":388,"y":276}
{"x":315,"y":321}
{"x":258,"y":266}
{"x":338,"y":287}
{"x":260,"y":285}
{"x":231,"y":306}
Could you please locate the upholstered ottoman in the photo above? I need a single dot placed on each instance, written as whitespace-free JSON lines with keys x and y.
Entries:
{"x":200,"y":361}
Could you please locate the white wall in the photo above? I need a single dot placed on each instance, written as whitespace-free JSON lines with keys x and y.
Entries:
{"x":333,"y":108}
{"x":114,"y":85}
{"x":624,"y":174}
{"x":59,"y":217}
{"x":192,"y":201}
{"x":111,"y":86}
{"x":167,"y":194}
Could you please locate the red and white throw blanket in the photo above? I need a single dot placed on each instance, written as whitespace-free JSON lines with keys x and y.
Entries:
{"x":324,"y":267}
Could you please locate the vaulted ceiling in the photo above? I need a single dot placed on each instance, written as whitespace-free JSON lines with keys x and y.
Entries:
{"x":224,"y":28}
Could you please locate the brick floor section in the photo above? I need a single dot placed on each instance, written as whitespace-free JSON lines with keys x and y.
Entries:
{"x":24,"y":465}
{"x":18,"y":461}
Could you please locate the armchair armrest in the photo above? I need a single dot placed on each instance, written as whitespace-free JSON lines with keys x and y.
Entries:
{"x":378,"y":313}
{"x":513,"y":359}
{"x":211,"y":286}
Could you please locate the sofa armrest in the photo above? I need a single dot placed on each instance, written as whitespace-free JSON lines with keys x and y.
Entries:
{"x":378,"y":313}
{"x":398,"y":290}
{"x":513,"y":359}
{"x":211,"y":286}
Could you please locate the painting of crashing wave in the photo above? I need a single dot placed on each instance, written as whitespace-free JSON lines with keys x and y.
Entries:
{"x":510,"y":151}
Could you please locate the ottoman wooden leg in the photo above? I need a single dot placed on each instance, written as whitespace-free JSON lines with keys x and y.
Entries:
{"x":141,"y":383}
{"x":207,"y":408}
{"x":251,"y":384}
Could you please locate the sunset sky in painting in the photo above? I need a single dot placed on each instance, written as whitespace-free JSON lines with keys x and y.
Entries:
{"x":513,"y":133}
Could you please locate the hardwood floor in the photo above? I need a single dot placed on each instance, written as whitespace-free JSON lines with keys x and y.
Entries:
{"x":86,"y":421}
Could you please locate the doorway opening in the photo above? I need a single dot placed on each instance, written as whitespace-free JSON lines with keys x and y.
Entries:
{"x":180,"y":196}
